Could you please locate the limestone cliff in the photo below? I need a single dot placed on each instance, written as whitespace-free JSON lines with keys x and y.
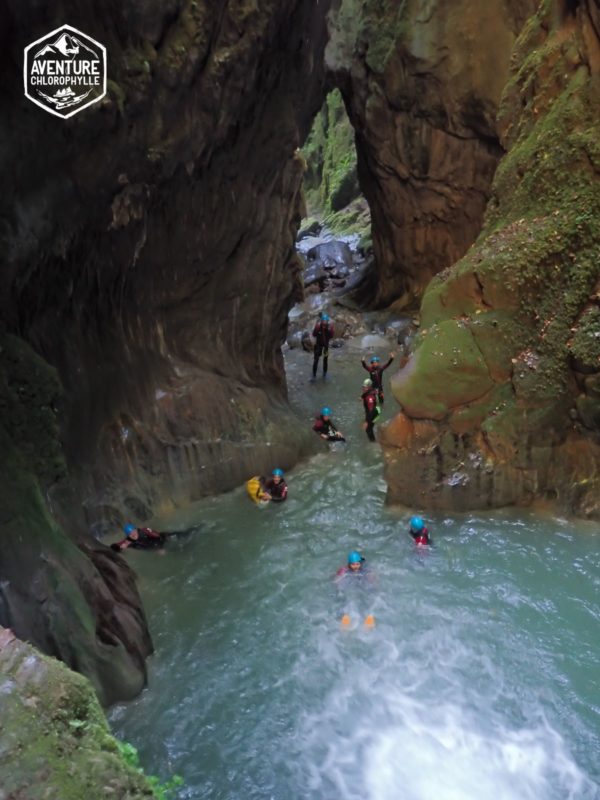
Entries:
{"x":501,"y":398}
{"x":422,"y":80}
{"x":147,"y":251}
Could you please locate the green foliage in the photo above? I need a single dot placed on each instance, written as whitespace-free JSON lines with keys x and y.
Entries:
{"x":528,"y":289}
{"x":331,"y":180}
{"x":162,"y":791}
{"x":585,"y":344}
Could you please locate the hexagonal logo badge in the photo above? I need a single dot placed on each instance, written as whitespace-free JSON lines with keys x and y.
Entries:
{"x":65,"y":72}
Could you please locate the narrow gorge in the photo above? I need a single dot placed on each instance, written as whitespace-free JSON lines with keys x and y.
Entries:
{"x":149,"y":264}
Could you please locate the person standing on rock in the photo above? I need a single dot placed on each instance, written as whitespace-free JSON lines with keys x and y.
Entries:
{"x":323,"y":333}
{"x":375,"y":370}
{"x":372,"y":410}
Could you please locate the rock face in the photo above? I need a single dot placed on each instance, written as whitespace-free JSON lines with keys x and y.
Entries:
{"x":422,"y":81}
{"x":147,"y":249}
{"x":500,"y":398}
{"x":75,"y":599}
{"x":54,"y":739}
{"x":150,"y":240}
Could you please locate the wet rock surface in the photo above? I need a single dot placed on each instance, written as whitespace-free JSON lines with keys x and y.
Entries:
{"x":500,"y":396}
{"x":422,"y":84}
{"x":148,"y":256}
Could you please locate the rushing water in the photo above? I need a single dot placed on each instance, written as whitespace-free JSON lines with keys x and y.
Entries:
{"x":480,"y":680}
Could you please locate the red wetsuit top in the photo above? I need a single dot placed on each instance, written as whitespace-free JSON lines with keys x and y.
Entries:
{"x":421,"y":538}
{"x":369,"y":398}
{"x":278,"y":491}
{"x":323,"y":333}
{"x":325,"y":426}
{"x":376,"y":372}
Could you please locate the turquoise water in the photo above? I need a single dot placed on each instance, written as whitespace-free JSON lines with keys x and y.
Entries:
{"x":480,"y":679}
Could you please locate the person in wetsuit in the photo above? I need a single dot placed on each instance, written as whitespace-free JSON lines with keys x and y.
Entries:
{"x":139,"y":538}
{"x":419,"y":532}
{"x":323,"y":333}
{"x":354,"y":573}
{"x":276,"y":487}
{"x":372,"y":410}
{"x":325,"y":427}
{"x":375,"y":371}
{"x":354,"y":568}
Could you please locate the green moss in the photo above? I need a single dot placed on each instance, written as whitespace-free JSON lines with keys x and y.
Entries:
{"x":331,"y":181}
{"x":537,"y":257}
{"x":355,"y":219}
{"x":584,"y":347}
{"x":386,"y":24}
{"x":447,"y":370}
{"x":55,"y":742}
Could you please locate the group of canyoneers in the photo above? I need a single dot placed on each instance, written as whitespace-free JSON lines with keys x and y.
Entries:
{"x":274,"y":489}
{"x":372,"y":394}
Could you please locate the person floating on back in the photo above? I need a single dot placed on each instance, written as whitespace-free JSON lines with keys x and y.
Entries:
{"x":372,"y":410}
{"x":325,"y":427}
{"x":355,"y":572}
{"x":419,"y":532}
{"x":323,"y":333}
{"x":139,"y":538}
{"x":375,"y":370}
{"x":276,"y":487}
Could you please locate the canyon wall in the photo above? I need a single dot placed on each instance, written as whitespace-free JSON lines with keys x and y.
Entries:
{"x":148,"y":264}
{"x":501,"y":397}
{"x":422,"y":82}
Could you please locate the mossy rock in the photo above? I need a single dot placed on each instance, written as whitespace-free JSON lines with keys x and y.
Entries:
{"x":584,"y":347}
{"x":447,"y":370}
{"x":468,"y":418}
{"x":499,"y":335}
{"x":54,"y":739}
{"x":331,"y":180}
{"x":588,"y":409}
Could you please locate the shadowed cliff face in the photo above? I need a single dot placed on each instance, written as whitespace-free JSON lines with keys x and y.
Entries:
{"x":422,"y":82}
{"x":149,"y":240}
{"x":148,"y":255}
{"x":501,"y":398}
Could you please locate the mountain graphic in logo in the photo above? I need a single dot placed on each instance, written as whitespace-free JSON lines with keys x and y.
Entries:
{"x":65,"y":71}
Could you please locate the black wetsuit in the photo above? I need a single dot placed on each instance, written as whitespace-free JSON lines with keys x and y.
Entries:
{"x":278,"y":491}
{"x":147,"y":539}
{"x":323,"y":333}
{"x":326,"y":427}
{"x":369,"y":398}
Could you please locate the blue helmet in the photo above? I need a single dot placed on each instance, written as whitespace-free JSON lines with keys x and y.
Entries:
{"x":355,"y":557}
{"x":129,"y":528}
{"x":325,"y":317}
{"x":277,"y":473}
{"x":375,"y":360}
{"x":416,"y":524}
{"x":325,"y":411}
